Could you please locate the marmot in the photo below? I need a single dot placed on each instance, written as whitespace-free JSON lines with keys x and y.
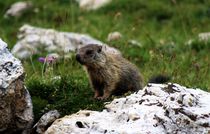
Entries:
{"x":109,"y":72}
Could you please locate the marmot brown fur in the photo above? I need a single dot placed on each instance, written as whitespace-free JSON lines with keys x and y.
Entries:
{"x":109,"y":73}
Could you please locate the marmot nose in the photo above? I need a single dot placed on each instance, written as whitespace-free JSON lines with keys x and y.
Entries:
{"x":78,"y":57}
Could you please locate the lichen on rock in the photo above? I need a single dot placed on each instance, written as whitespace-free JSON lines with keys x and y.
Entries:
{"x":16,"y":114}
{"x":10,"y":67}
{"x":157,"y":109}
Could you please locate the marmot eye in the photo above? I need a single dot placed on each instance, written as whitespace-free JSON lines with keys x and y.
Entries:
{"x":89,"y":52}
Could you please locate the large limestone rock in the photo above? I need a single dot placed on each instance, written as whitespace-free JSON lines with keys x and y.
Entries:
{"x":34,"y":40}
{"x":157,"y":109}
{"x":16,"y":114}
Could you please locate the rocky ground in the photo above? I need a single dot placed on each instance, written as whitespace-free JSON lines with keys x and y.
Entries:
{"x":157,"y":109}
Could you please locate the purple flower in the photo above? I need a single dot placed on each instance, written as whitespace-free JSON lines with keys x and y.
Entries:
{"x":41,"y":59}
{"x":47,"y":59}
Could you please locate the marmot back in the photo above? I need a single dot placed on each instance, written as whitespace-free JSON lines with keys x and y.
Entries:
{"x":109,"y":73}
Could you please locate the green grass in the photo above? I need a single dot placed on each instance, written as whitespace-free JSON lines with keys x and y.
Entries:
{"x":162,"y":27}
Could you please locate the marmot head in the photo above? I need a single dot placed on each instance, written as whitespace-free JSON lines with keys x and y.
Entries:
{"x":90,"y":55}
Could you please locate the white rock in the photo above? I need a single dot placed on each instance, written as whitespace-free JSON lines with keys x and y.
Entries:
{"x":114,"y":36}
{"x":16,"y":112}
{"x":157,"y":109}
{"x":92,"y":4}
{"x":18,"y":8}
{"x":135,"y":43}
{"x":34,"y":40}
{"x":11,"y":68}
{"x":45,"y":121}
{"x":204,"y":36}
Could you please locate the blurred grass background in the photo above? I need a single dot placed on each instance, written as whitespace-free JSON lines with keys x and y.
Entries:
{"x":162,"y":27}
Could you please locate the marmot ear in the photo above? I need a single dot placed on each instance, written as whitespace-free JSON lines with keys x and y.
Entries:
{"x":76,"y":49}
{"x":99,"y":49}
